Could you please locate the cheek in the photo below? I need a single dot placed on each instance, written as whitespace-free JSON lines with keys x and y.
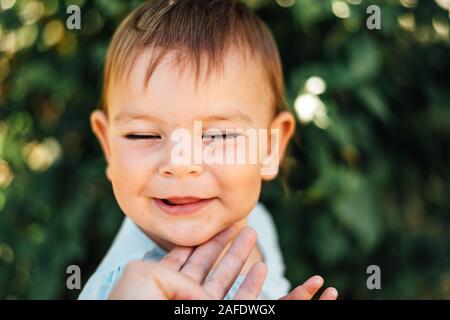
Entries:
{"x":240,"y":185}
{"x":131,"y":166}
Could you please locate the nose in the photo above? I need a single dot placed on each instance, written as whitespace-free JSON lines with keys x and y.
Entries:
{"x":178,"y":158}
{"x":175,"y":169}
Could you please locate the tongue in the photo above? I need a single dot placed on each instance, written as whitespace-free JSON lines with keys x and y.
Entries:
{"x":183,"y":201}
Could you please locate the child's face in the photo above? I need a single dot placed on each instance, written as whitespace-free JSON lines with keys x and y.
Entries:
{"x":142,"y":170}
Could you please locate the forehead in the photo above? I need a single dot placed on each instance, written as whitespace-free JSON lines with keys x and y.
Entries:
{"x":173,"y":89}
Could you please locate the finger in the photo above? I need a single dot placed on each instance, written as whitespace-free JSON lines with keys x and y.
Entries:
{"x":253,"y":283}
{"x":223,"y":277}
{"x":305,"y":291}
{"x":203,"y":257}
{"x":176,"y":258}
{"x":329,"y":294}
{"x":144,"y":280}
{"x":179,"y":287}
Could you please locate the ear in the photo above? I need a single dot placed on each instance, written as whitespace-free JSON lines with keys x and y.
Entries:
{"x":100,"y":127}
{"x":284,"y":124}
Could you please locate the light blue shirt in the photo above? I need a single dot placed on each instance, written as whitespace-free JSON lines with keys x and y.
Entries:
{"x":132,"y":243}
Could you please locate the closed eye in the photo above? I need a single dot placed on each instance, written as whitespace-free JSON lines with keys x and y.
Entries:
{"x":142,"y":137}
{"x":221,"y":136}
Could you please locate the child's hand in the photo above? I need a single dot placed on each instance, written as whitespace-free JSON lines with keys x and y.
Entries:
{"x":307,"y":290}
{"x":181,"y":273}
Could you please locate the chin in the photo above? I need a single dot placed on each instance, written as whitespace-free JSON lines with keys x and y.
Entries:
{"x":190,"y":238}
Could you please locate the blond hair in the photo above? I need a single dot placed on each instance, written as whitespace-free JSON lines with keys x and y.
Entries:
{"x":193,"y":29}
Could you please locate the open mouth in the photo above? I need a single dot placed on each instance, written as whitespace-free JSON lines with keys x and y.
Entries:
{"x":183,"y":205}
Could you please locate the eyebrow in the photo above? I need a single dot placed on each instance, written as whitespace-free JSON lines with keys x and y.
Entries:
{"x":126,"y":116}
{"x":232,"y":117}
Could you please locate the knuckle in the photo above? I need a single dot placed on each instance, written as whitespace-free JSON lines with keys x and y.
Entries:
{"x":173,"y":260}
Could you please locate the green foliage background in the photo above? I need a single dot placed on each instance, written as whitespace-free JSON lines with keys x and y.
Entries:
{"x":370,"y":182}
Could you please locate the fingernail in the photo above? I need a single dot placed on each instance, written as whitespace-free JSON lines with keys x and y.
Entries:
{"x":318,"y":281}
{"x":334,"y":292}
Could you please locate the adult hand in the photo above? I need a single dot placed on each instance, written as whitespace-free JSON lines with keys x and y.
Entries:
{"x":182,"y":273}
